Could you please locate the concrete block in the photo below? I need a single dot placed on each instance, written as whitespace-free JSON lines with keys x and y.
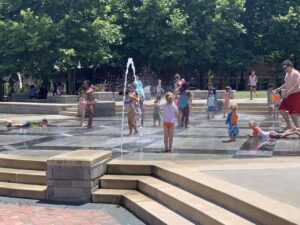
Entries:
{"x":59,"y":183}
{"x":84,"y":184}
{"x":105,"y":109}
{"x":80,"y":158}
{"x":98,"y":170}
{"x":61,"y":192}
{"x":67,"y":172}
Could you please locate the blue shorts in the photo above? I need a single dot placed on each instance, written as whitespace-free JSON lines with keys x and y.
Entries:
{"x":211,"y":109}
{"x":233,"y":130}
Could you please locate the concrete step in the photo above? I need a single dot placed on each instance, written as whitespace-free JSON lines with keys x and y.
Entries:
{"x":22,"y":176}
{"x":23,"y":162}
{"x":147,"y":209}
{"x":244,"y":202}
{"x":22,"y":190}
{"x":71,"y":110}
{"x":184,"y":203}
{"x":67,"y":113}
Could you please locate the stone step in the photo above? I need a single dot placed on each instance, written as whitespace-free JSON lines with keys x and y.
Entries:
{"x":147,"y":209}
{"x":22,"y":176}
{"x":71,"y":110}
{"x":67,"y":113}
{"x":249,"y":204}
{"x":184,"y":203}
{"x":23,"y":190}
{"x":23,"y":162}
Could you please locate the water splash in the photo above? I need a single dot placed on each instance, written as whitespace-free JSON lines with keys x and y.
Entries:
{"x":20,"y":80}
{"x":130,"y":64}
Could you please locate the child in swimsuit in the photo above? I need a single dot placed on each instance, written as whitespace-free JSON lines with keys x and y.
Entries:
{"x":156,"y":113}
{"x":276,"y":97}
{"x":227,"y":101}
{"x":169,"y":119}
{"x":267,"y":135}
{"x":129,"y":108}
{"x":27,"y":124}
{"x":211,"y":105}
{"x":232,"y":119}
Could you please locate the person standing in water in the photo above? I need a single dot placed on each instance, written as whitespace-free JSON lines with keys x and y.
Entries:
{"x":89,"y":90}
{"x":253,"y":84}
{"x":169,"y":119}
{"x":291,"y":94}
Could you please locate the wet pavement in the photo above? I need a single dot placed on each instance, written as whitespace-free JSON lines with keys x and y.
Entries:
{"x":202,"y":141}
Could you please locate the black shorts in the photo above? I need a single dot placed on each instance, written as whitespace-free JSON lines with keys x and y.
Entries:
{"x":252,"y":86}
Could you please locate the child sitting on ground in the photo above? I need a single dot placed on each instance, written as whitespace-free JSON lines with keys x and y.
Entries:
{"x":156,"y":113}
{"x":232,"y":119}
{"x":169,"y":119}
{"x":211,"y":104}
{"x":266,"y":135}
{"x":227,"y":101}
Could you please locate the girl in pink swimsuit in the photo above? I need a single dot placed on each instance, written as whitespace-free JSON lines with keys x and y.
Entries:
{"x":90,"y":90}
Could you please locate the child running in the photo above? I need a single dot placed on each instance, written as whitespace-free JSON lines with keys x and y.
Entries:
{"x":227,"y":101}
{"x":232,"y":119}
{"x":82,"y":107}
{"x":211,"y":104}
{"x":169,"y":119}
{"x":156,"y":113}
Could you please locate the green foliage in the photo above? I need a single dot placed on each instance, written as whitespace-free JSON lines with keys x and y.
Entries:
{"x":40,"y":37}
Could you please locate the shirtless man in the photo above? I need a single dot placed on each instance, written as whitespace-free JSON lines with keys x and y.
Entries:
{"x":291,"y":94}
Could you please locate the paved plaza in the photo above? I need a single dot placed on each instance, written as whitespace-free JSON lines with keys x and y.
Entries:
{"x":33,"y":212}
{"x":198,"y":148}
{"x":202,"y":141}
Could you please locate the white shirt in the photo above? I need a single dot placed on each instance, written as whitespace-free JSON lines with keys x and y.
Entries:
{"x":169,"y":115}
{"x":252,"y":81}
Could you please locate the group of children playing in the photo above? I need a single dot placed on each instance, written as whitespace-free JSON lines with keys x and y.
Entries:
{"x":178,"y":107}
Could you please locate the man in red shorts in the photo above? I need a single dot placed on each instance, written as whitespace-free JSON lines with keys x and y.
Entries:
{"x":291,"y":94}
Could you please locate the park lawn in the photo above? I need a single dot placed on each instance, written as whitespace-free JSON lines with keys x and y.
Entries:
{"x":246,"y":94}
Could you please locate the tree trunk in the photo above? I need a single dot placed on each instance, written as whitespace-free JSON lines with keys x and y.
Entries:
{"x":70,"y":82}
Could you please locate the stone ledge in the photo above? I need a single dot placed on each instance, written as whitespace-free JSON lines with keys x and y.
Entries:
{"x":80,"y":158}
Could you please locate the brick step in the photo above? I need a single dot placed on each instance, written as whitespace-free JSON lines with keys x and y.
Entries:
{"x":184,"y":203}
{"x":23,"y":162}
{"x":142,"y":206}
{"x":23,"y":190}
{"x":244,"y":202}
{"x":22,"y":176}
